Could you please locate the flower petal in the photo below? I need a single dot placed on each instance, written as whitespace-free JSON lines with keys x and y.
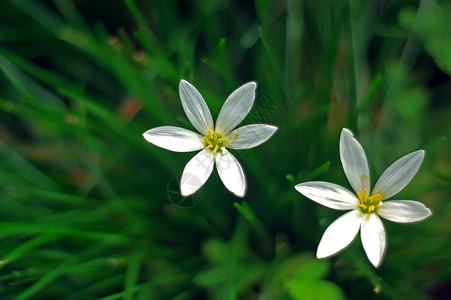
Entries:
{"x":339,"y":234}
{"x":354,"y":162}
{"x":373,"y":238}
{"x":403,"y":211}
{"x":195,"y":107}
{"x":399,"y":174}
{"x":328,"y":194}
{"x":231,"y":173}
{"x":196,"y":172}
{"x":236,"y":108}
{"x":250,"y":136}
{"x":174,"y":138}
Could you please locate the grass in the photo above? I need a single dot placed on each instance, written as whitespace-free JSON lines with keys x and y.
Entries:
{"x":90,"y":210}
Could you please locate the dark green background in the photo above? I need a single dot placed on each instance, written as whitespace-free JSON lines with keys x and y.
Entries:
{"x":90,"y":210}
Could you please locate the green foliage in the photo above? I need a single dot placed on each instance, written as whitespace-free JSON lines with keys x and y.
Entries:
{"x":90,"y":210}
{"x":307,"y":283}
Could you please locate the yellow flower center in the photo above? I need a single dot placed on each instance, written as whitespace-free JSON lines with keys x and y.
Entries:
{"x":369,"y":204}
{"x":214,"y":141}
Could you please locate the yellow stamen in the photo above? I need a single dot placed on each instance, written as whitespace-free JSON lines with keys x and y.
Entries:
{"x":214,"y":141}
{"x":358,"y":195}
{"x":207,"y":141}
{"x":377,"y":197}
{"x":362,"y":206}
{"x":369,"y":204}
{"x":215,"y":149}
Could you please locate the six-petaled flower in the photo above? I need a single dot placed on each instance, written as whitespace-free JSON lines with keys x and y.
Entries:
{"x":365,"y":206}
{"x":213,"y":141}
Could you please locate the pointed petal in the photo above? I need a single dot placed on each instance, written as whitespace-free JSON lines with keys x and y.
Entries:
{"x":196,"y":172}
{"x":328,"y":194}
{"x":195,"y":107}
{"x":250,"y":136}
{"x":174,"y":138}
{"x":373,"y":238}
{"x":231,"y":173}
{"x":339,"y":234}
{"x":403,"y":211}
{"x":236,"y":108}
{"x":354,"y":162}
{"x":399,"y":174}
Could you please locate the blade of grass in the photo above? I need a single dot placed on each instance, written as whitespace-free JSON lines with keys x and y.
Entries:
{"x":27,"y":169}
{"x":27,"y":246}
{"x":249,"y":215}
{"x":272,"y":58}
{"x":372,"y":89}
{"x":46,"y":279}
{"x":132,"y":274}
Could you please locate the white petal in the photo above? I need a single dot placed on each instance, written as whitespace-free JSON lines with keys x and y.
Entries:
{"x":174,"y":138}
{"x":399,"y":174}
{"x":403,"y":211}
{"x":328,"y":194}
{"x":339,"y":234}
{"x":195,"y":107}
{"x":250,"y":136}
{"x":354,"y":162}
{"x":231,"y":173}
{"x":196,"y":172}
{"x":236,"y":108}
{"x":373,"y":238}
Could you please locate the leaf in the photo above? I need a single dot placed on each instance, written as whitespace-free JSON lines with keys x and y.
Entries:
{"x":313,"y":269}
{"x":315,"y":290}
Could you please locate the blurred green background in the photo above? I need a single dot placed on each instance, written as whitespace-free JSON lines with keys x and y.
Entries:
{"x":90,"y":210}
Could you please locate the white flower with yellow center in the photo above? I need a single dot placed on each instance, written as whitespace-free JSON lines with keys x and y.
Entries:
{"x":365,"y":206}
{"x":213,"y":141}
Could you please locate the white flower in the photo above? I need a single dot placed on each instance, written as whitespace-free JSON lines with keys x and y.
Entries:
{"x":213,"y":141}
{"x":365,"y":207}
